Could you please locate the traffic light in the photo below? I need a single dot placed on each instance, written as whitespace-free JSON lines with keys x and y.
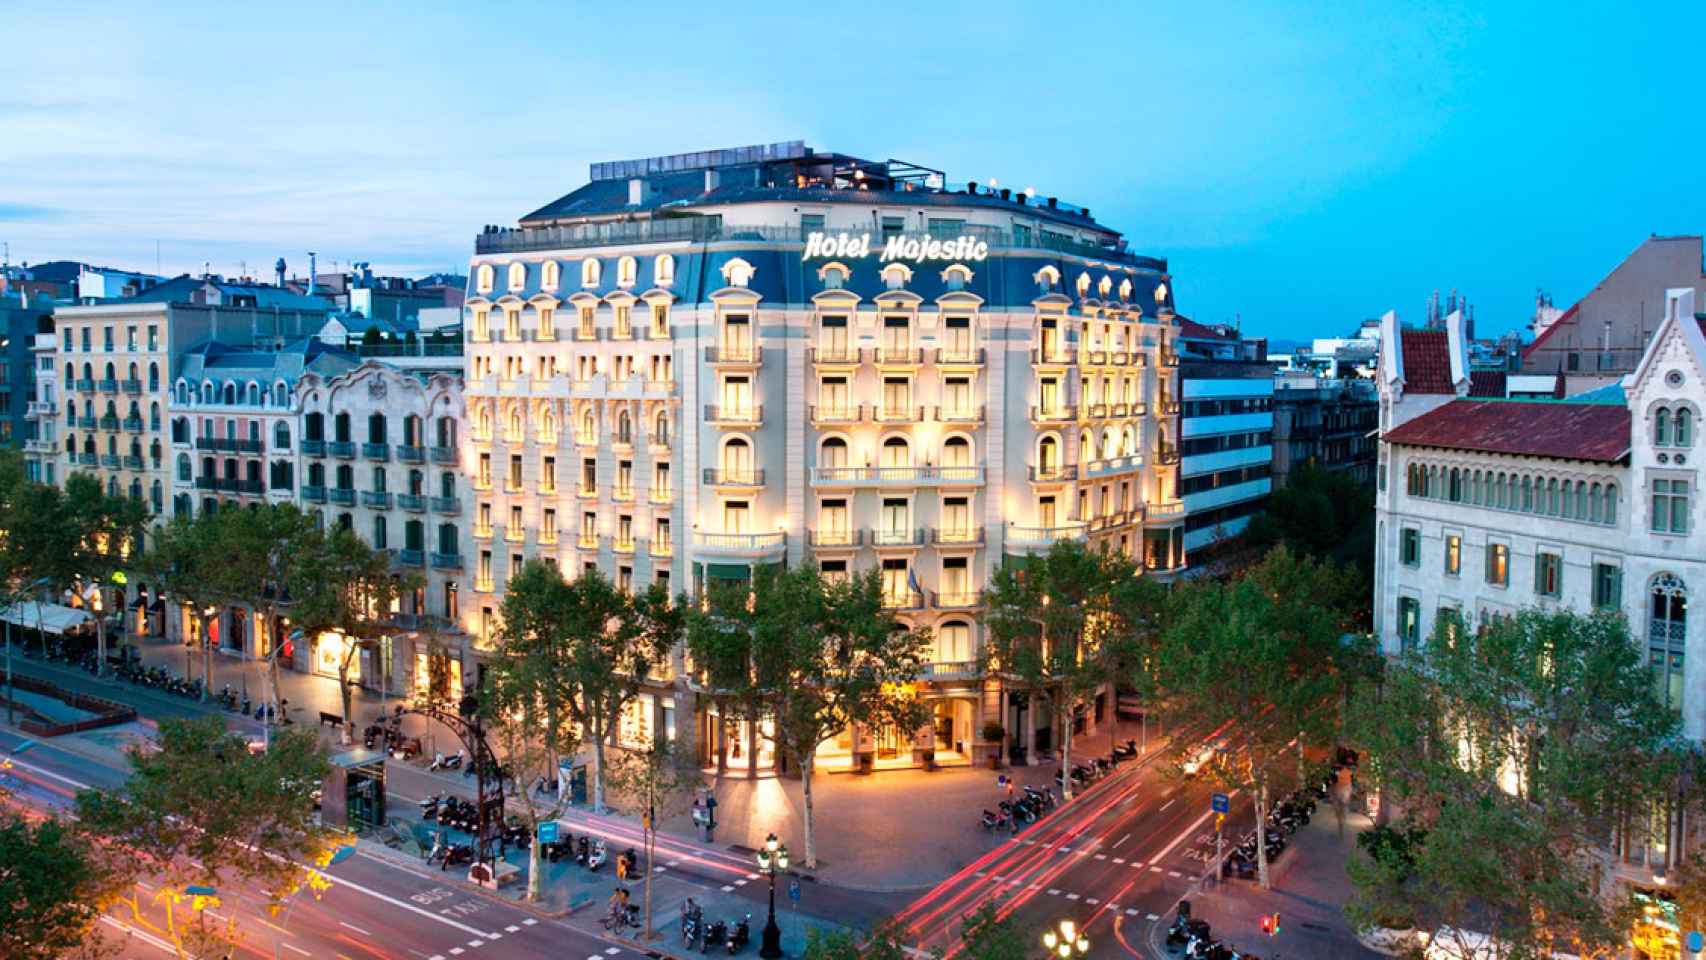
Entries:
{"x":1270,"y":923}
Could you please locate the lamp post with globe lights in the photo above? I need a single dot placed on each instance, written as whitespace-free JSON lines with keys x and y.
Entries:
{"x":773,"y":856}
{"x":1065,"y":941}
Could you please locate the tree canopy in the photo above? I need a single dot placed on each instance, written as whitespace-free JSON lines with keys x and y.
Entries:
{"x":54,"y":883}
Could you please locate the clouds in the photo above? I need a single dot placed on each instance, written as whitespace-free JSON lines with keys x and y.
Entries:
{"x":27,"y":213}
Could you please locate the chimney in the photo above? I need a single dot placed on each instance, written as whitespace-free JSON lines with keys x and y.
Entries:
{"x":713,"y":180}
{"x":311,"y":281}
{"x":279,"y":269}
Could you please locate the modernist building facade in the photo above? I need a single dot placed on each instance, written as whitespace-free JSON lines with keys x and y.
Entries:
{"x":692,"y":367}
{"x":1488,"y":506}
{"x":1226,"y":423}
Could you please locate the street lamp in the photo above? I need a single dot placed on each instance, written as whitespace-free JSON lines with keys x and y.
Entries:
{"x":1065,"y":940}
{"x":773,"y":856}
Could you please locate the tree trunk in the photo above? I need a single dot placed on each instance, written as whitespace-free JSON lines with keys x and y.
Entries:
{"x":1066,"y":755}
{"x":808,"y":761}
{"x":598,"y":765}
{"x":752,"y":742}
{"x":344,"y":693}
{"x":535,"y":867}
{"x":100,"y":642}
{"x":651,"y":836}
{"x":206,"y":660}
{"x":722,"y":740}
{"x":1262,"y":836}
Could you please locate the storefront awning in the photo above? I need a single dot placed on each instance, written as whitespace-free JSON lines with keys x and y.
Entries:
{"x":728,"y":571}
{"x":50,"y":617}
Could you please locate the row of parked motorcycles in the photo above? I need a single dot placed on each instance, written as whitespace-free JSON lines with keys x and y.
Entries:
{"x":1189,"y":937}
{"x":1088,"y":772}
{"x":1284,"y":820}
{"x":1012,"y":814}
{"x":732,"y":935}
{"x":388,"y":736}
{"x":74,"y":655}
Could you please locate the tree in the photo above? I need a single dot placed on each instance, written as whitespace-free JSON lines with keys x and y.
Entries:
{"x":252,"y":563}
{"x":1328,"y":516}
{"x":54,"y":885}
{"x":883,"y":943}
{"x":1513,"y":754}
{"x":203,"y":807}
{"x":180,"y":562}
{"x":824,"y":654}
{"x":1052,"y":626}
{"x":78,"y":539}
{"x":528,"y":700}
{"x":661,"y":779}
{"x":1258,"y":657}
{"x":989,"y":934}
{"x":345,"y":586}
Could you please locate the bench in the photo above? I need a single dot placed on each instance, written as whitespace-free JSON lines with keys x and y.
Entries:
{"x":331,"y":719}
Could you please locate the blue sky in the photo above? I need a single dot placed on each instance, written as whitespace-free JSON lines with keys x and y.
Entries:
{"x":1301,"y":166}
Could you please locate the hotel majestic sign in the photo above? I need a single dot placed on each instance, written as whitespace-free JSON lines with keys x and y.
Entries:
{"x":918,"y":249}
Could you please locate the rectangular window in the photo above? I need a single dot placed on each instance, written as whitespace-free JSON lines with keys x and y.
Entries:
{"x":1498,"y":564}
{"x":107,"y":339}
{"x":1670,"y":506}
{"x":87,"y":342}
{"x":589,"y":475}
{"x":1453,"y":555}
{"x":810,"y":223}
{"x":1409,"y":622}
{"x":483,"y":573}
{"x":130,"y":338}
{"x":516,"y":561}
{"x":1410,"y":547}
{"x":1607,"y":586}
{"x":548,"y":526}
{"x":514,"y":472}
{"x":483,"y":521}
{"x":67,"y":339}
{"x":153,"y":337}
{"x":1548,"y":574}
{"x":548,"y":475}
{"x":893,"y":226}
{"x":517,"y":526}
{"x":484,"y":477}
{"x":625,"y":579}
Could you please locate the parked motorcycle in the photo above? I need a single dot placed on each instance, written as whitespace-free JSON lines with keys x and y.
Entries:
{"x":739,"y":934}
{"x":442,"y":762}
{"x":717,"y":932}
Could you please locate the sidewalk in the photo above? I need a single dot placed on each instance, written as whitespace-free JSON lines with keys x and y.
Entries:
{"x":1310,"y":884}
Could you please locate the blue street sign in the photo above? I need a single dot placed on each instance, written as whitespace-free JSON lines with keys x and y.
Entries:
{"x":1220,"y":803}
{"x":1696,"y":942}
{"x":341,"y":854}
{"x":794,"y":889}
{"x":200,"y":891}
{"x":548,"y":831}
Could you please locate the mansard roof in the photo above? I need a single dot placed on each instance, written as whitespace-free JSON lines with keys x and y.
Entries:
{"x":1560,"y":430}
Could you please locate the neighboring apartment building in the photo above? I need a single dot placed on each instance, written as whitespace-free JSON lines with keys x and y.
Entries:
{"x":1225,"y":431}
{"x":1600,"y":337}
{"x":22,"y":317}
{"x":379,"y":456}
{"x":1324,"y":422}
{"x":1487,"y":506}
{"x":694,"y":366}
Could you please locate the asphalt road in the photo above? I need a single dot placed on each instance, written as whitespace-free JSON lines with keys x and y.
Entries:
{"x":374,"y":909}
{"x":1116,"y":861}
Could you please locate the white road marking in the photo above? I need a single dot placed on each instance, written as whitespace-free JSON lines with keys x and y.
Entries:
{"x":1119,"y":860}
{"x":659,"y":868}
{"x":1092,"y":901}
{"x":297,"y":949}
{"x":1188,"y":832}
{"x":673,"y":863}
{"x":752,"y":876}
{"x":457,"y":951}
{"x":1174,"y":874}
{"x":512,"y":928}
{"x":436,"y":956}
{"x":1168,"y":804}
{"x":1122,"y":840}
{"x":1072,"y":896}
{"x":1154,"y":869}
{"x":728,"y":888}
{"x":741,"y":882}
{"x":613,"y":951}
{"x":494,"y":936}
{"x":1151,"y":917}
{"x":1101,"y":856}
{"x":529,"y":922}
{"x":476,"y":943}
{"x":355,"y":928}
{"x":1054,"y":891}
{"x":1131,"y":912}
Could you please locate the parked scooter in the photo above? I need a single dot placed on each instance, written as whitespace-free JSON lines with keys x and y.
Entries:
{"x":739,"y":934}
{"x":442,"y":762}
{"x":597,"y":857}
{"x":717,"y":932}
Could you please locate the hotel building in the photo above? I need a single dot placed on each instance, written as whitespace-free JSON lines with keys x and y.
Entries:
{"x":695,"y":365}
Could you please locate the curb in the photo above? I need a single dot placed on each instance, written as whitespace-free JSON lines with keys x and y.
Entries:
{"x":379,"y":851}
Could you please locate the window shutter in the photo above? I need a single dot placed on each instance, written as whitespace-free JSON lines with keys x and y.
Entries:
{"x":1489,"y":564}
{"x":1540,"y":574}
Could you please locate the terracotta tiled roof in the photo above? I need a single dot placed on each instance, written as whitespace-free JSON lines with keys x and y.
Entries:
{"x":1565,"y":431}
{"x":1427,"y":361}
{"x":1196,"y":331}
{"x":1486,"y":383}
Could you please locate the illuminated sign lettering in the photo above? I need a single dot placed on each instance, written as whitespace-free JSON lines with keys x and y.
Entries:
{"x":848,"y":246}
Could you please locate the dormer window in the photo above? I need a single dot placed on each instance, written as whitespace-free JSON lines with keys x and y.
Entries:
{"x":663,"y":270}
{"x":589,"y":272}
{"x":484,"y":278}
{"x":626,"y":270}
{"x":896,"y":276}
{"x":550,"y":275}
{"x":957,"y":276}
{"x":517,"y":276}
{"x":1083,"y":284}
{"x":738,"y":273}
{"x":833,"y":275}
{"x":1047,"y":278}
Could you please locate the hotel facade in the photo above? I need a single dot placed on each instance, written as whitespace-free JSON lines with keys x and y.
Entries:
{"x":695,"y":366}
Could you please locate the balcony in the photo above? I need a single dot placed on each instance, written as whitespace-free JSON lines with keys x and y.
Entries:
{"x":411,"y":558}
{"x":892,"y":356}
{"x":1119,"y":518}
{"x":948,"y":670}
{"x":1044,"y":537}
{"x":663,"y":496}
{"x":1167,"y":511}
{"x":587,"y":491}
{"x":1099,"y":410}
{"x":133,"y":424}
{"x":207,"y":483}
{"x":85,"y":423}
{"x":109,"y":422}
{"x":1169,"y":359}
{"x":376,"y":451}
{"x":378,"y":499}
{"x":1167,"y":455}
{"x":881,"y":538}
{"x":837,"y":414}
{"x":412,"y":502}
{"x":87,"y":386}
{"x":1056,"y":413}
{"x":739,"y":544}
{"x":957,"y":536}
{"x":903,"y":600}
{"x":661,"y":547}
{"x":1097,"y":357}
{"x":314,"y":493}
{"x":132,"y":462}
{"x":1119,"y":358}
{"x":87,"y":459}
{"x":444,"y":455}
{"x":836,"y":355}
{"x":734,"y":354}
{"x":625,"y":493}
{"x":342,"y":449}
{"x":1051,"y":357}
{"x":482,"y":531}
{"x":408,"y":454}
{"x":446,"y":505}
{"x":836,"y":539}
{"x":313,"y":448}
{"x":1053,"y":473}
{"x":36,"y":408}
{"x":896,"y":476}
{"x":957,"y":600}
{"x":446,"y":561}
{"x":251,"y":488}
{"x":107,"y":386}
{"x":1168,"y":408}
{"x":960,"y":414}
{"x":131,"y":386}
{"x":1099,"y":468}
{"x":110,"y":460}
{"x":36,"y":445}
{"x":342,"y":495}
{"x":898,"y":414}
{"x":738,"y":477}
{"x":515,"y":534}
{"x":623,"y":545}
{"x":735,"y":416}
{"x":959,"y":356}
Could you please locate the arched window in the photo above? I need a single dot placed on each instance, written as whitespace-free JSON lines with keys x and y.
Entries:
{"x":132,"y":376}
{"x":111,"y":374}
{"x":1581,"y":510}
{"x":548,"y":425}
{"x":589,"y":272}
{"x":314,"y":426}
{"x":254,"y":394}
{"x":832,"y":453}
{"x":1684,"y":427}
{"x":1048,"y":456}
{"x":660,"y":428}
{"x":550,"y":275}
{"x":1552,"y":505}
{"x":183,"y":468}
{"x":154,"y":416}
{"x":316,"y":474}
{"x":896,"y":452}
{"x":280,"y":396}
{"x":153,"y":377}
{"x":663,"y":270}
{"x":156,"y":496}
{"x":517,"y":276}
{"x":154,"y":453}
{"x":341,"y":428}
{"x":953,"y":644}
{"x":589,"y":426}
{"x":447,"y":485}
{"x":624,"y":427}
{"x":346,"y":477}
{"x":1661,"y":427}
{"x":376,"y":428}
{"x":956,"y":452}
{"x":1455,"y":491}
{"x":513,"y":431}
{"x":1611,"y":503}
{"x":1527,"y":494}
{"x":484,"y":430}
{"x":228,"y":396}
{"x":737,"y":459}
{"x":281,"y":435}
{"x":626,"y":270}
{"x":1667,"y":633}
{"x":484,"y":278}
